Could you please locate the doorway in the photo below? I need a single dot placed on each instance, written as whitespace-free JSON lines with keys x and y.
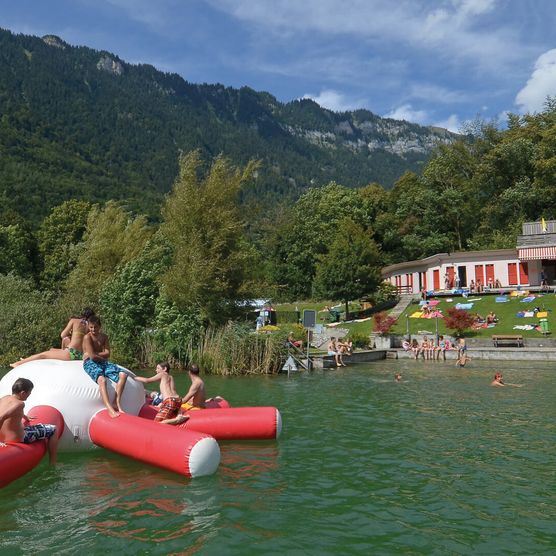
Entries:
{"x":462,"y":274}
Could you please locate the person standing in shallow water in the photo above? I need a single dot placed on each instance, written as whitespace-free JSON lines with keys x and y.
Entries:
{"x":72,"y":341}
{"x":99,"y":368}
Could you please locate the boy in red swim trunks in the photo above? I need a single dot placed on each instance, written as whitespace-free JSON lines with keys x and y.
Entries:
{"x":169,"y":409}
{"x":11,"y":416}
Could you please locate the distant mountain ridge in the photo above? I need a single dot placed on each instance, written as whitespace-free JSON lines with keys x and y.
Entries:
{"x":82,"y":123}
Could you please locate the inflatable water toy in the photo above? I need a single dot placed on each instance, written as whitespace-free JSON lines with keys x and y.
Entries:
{"x":17,"y":459}
{"x":229,"y":423}
{"x":64,"y":386}
{"x":64,"y":395}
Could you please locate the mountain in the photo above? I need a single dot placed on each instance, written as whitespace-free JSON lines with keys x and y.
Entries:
{"x":82,"y":123}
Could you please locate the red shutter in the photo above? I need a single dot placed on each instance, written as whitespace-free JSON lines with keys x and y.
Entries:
{"x":436,"y":279}
{"x":512,"y":274}
{"x":490,"y":273}
{"x":523,"y":273}
{"x":479,"y":274}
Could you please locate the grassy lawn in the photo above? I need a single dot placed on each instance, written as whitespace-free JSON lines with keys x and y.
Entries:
{"x":506,"y":313}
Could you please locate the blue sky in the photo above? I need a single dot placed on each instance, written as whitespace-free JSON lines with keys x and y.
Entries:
{"x":433,"y":63}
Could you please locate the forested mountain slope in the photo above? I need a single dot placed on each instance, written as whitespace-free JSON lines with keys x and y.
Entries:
{"x":81,"y":123}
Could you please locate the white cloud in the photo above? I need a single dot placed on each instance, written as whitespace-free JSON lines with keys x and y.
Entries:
{"x":451,"y":123}
{"x":409,"y":114}
{"x":436,"y":93}
{"x":334,"y":100}
{"x":541,"y":84}
{"x":455,"y":30}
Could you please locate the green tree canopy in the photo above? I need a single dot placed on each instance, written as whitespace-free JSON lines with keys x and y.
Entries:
{"x":59,"y":241}
{"x":203,"y":224}
{"x":351,"y":266}
{"x":113,"y":237}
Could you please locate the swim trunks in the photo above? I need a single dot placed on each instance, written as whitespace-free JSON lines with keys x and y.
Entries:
{"x":102,"y":368}
{"x":330,"y":352}
{"x":75,"y":355}
{"x":189,"y":407}
{"x":38,"y":432}
{"x":169,"y":409}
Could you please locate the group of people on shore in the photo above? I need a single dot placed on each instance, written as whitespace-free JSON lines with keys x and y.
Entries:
{"x":83,"y":339}
{"x":429,"y":349}
{"x":337,"y":349}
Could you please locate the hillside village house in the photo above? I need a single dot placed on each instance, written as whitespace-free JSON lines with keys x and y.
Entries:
{"x":533,"y":259}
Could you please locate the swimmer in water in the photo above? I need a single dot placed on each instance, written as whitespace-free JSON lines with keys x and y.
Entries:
{"x":398,"y":377}
{"x":499,"y":381}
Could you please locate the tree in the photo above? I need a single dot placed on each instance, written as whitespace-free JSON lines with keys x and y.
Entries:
{"x":113,"y":237}
{"x":16,"y":250}
{"x":59,"y":241}
{"x":351,"y":267}
{"x":129,"y":297}
{"x":307,"y":232}
{"x":203,"y":224}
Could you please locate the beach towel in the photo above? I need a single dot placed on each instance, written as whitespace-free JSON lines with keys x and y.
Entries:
{"x":434,"y":302}
{"x":520,"y":314}
{"x":416,"y":315}
{"x":464,"y":306}
{"x":524,"y":327}
{"x":501,"y":299}
{"x":542,"y":314}
{"x":529,"y":314}
{"x":528,"y":299}
{"x":519,"y":294}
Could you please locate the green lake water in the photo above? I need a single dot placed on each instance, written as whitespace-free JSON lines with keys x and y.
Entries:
{"x":441,"y":463}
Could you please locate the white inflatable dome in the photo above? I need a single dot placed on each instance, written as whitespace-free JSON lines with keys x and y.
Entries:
{"x":65,"y":386}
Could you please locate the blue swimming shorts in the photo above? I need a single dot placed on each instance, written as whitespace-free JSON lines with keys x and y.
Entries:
{"x":38,"y":432}
{"x":102,"y":368}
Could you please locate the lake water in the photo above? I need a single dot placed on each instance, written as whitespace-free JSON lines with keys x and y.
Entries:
{"x":441,"y":463}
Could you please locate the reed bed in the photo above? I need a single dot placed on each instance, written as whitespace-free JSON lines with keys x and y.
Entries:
{"x":236,"y":350}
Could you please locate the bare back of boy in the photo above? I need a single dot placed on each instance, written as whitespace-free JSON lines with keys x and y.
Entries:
{"x":168,"y":386}
{"x":196,"y":396}
{"x":11,"y":415}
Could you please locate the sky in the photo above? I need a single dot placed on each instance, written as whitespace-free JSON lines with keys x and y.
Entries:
{"x":442,"y":63}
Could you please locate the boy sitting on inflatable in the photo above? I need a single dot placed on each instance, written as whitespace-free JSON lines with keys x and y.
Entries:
{"x":95,"y":363}
{"x":11,"y":416}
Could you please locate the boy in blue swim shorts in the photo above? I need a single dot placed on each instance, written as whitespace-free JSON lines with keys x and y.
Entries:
{"x":96,"y":364}
{"x":12,"y":417}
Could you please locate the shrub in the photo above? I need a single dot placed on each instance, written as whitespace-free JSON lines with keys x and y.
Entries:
{"x":29,"y":321}
{"x":458,"y":320}
{"x":359,"y":340}
{"x":383,"y":323}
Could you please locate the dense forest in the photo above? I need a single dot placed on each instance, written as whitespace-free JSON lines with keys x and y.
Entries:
{"x":77,"y":123}
{"x":162,"y":277}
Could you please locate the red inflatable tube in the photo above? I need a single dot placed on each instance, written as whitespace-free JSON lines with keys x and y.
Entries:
{"x":17,"y":459}
{"x":186,"y":452}
{"x":149,"y":411}
{"x":233,"y":423}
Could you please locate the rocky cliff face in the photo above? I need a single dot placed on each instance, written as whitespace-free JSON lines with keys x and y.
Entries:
{"x":396,"y":137}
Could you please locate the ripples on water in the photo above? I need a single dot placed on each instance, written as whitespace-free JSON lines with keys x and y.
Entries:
{"x":439,"y":464}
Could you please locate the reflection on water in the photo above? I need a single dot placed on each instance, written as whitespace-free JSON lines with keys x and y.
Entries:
{"x":438,"y":464}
